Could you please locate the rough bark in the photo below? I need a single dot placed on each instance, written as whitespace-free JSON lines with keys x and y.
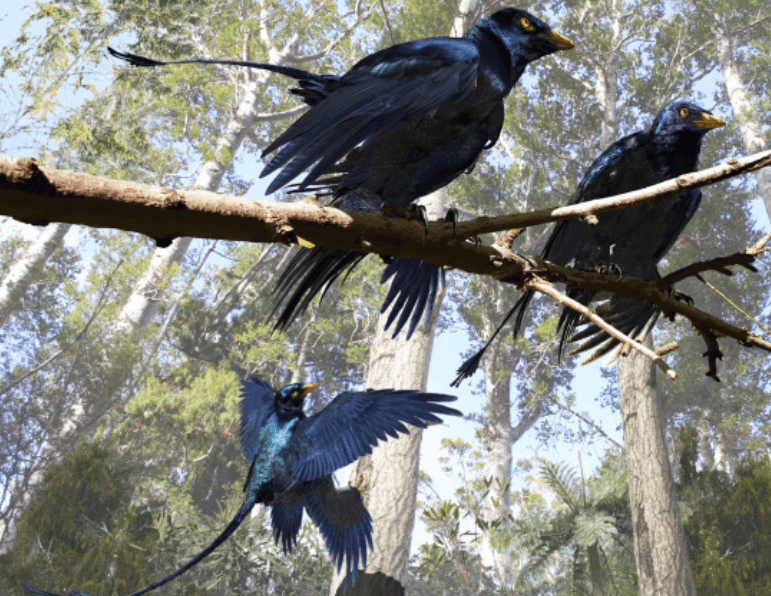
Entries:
{"x":595,"y":569}
{"x":39,"y":195}
{"x":35,"y":195}
{"x":660,"y":548}
{"x":391,"y":472}
{"x":20,"y":275}
{"x":747,"y":117}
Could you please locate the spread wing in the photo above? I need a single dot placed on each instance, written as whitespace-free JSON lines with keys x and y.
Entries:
{"x":371,"y":100}
{"x":353,"y":423}
{"x":344,"y":523}
{"x":256,"y":405}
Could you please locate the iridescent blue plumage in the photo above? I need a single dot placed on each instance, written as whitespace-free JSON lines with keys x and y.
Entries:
{"x":631,"y":240}
{"x":400,"y":124}
{"x":446,"y":98}
{"x":292,"y":458}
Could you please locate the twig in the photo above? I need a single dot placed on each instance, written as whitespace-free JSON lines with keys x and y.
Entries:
{"x":583,"y":418}
{"x":544,"y":287}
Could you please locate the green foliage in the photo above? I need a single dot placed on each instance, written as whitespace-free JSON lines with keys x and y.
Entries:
{"x":81,"y":529}
{"x":729,"y":528}
{"x":587,"y":533}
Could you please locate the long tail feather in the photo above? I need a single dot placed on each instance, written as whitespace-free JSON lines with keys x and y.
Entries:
{"x":287,"y":71}
{"x":470,"y":366}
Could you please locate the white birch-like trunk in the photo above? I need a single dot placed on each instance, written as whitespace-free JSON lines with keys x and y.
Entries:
{"x":139,"y":309}
{"x":747,"y":117}
{"x":497,"y":441}
{"x":20,"y":275}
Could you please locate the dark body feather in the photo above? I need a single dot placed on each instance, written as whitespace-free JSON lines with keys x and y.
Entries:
{"x":457,"y":88}
{"x":402,"y":123}
{"x":631,"y":240}
{"x":292,"y":458}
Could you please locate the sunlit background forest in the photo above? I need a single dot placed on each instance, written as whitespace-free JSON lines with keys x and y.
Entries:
{"x":121,"y":361}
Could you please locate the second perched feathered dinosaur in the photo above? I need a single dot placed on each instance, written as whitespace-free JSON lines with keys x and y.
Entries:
{"x":632,"y":240}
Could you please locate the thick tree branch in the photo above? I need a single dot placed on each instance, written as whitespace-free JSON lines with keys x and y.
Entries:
{"x":39,"y":195}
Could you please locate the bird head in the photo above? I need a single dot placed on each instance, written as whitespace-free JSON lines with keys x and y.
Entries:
{"x":289,"y":399}
{"x":685,"y":117}
{"x":526,"y":36}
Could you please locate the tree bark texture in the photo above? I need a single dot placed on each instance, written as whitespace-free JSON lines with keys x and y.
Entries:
{"x":391,"y":471}
{"x":497,"y":440}
{"x":660,"y":548}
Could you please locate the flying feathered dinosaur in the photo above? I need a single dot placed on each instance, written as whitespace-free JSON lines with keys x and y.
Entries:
{"x":629,"y":241}
{"x":400,"y":124}
{"x":292,"y":458}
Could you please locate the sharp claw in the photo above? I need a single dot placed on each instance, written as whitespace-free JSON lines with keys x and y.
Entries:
{"x":452,"y":216}
{"x":420,"y":214}
{"x":358,"y":484}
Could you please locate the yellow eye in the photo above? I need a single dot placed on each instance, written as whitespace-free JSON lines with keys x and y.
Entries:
{"x":526,"y":24}
{"x":684,"y":112}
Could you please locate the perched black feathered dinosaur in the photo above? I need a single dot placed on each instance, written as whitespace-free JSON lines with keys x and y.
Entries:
{"x":402,"y":123}
{"x":292,"y":458}
{"x":631,"y":241}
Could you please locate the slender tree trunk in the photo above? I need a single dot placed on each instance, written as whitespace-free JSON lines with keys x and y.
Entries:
{"x":22,"y":272}
{"x":391,"y":471}
{"x":497,"y":441}
{"x":141,"y":306}
{"x":749,"y":122}
{"x":595,"y":569}
{"x":660,"y":548}
{"x":139,"y":309}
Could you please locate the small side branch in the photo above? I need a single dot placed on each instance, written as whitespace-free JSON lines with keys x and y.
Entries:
{"x":540,"y":285}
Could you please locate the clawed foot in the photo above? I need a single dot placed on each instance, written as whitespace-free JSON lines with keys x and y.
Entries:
{"x":678,"y":295}
{"x":414,"y":212}
{"x":452,"y":216}
{"x":608,"y":269}
{"x":358,"y":484}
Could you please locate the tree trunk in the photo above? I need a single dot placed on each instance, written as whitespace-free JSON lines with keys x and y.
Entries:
{"x":660,"y":548}
{"x":497,"y":441}
{"x":391,"y":472}
{"x":749,"y":123}
{"x":595,"y":569}
{"x":20,"y":275}
{"x":141,"y":306}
